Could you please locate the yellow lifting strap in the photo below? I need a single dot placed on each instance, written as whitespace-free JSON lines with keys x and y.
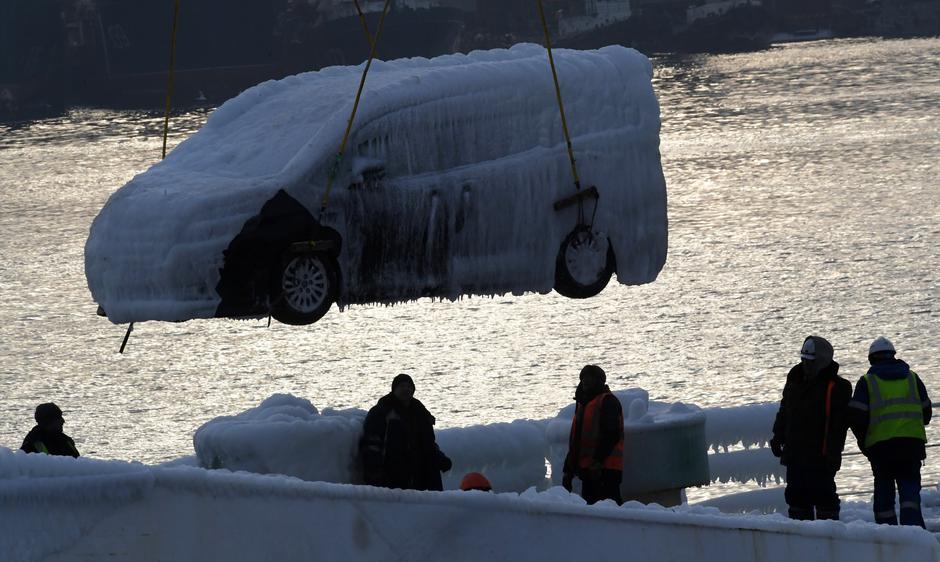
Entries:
{"x":352,"y":115}
{"x":365,"y":24}
{"x":169,"y":79}
{"x":561,"y":106}
{"x":166,"y":117}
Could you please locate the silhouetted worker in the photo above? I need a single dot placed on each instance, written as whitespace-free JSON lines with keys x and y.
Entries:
{"x":888,"y":413}
{"x":475,"y":481}
{"x":398,"y":448}
{"x":809,"y":431}
{"x":595,"y":445}
{"x":47,"y":436}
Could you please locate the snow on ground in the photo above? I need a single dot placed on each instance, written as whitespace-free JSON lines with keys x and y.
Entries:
{"x":479,"y":133}
{"x":64,"y":509}
{"x":59,"y":508}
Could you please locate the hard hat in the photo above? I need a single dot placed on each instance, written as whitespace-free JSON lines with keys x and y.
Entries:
{"x":808,"y":351}
{"x":881,"y":344}
{"x":475,"y":481}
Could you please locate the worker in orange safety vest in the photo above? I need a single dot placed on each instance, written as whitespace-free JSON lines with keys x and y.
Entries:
{"x":595,"y":445}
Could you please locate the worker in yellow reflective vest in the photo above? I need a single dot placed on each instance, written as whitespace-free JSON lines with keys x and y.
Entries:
{"x":595,"y":444}
{"x":888,"y":413}
{"x":47,"y":437}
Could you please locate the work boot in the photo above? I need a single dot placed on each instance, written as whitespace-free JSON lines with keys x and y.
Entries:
{"x":801,"y":513}
{"x":886,"y":517}
{"x":827,"y":513}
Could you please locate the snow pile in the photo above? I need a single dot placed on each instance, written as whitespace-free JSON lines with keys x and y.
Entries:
{"x":284,"y":435}
{"x":196,"y":514}
{"x":479,"y":133}
{"x":287,"y":435}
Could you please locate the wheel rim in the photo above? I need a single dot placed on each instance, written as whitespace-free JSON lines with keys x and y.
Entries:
{"x":586,"y":257}
{"x":305,"y":285}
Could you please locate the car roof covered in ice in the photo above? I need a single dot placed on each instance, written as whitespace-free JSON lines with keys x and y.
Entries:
{"x":286,"y":126}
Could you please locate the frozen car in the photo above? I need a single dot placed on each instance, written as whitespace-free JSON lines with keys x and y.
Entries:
{"x":456,"y":181}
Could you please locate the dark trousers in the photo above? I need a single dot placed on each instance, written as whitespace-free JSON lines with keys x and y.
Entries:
{"x":906,"y":473}
{"x":811,"y":493}
{"x":606,"y":487}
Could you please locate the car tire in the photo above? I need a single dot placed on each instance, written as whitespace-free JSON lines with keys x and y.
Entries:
{"x":304,"y":287}
{"x":584,"y":264}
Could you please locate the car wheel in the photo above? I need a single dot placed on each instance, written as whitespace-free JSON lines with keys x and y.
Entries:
{"x":584,"y":265}
{"x":304,"y":288}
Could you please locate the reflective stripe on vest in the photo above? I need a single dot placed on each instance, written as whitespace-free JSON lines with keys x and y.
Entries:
{"x":590,"y":431}
{"x":40,"y":447}
{"x":895,"y":409}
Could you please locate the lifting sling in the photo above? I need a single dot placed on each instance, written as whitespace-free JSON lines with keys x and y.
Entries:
{"x":579,"y":196}
{"x":331,"y":177}
{"x":166,"y":117}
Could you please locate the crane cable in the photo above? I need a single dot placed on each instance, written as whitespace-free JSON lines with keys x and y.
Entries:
{"x":365,"y":24}
{"x":561,"y":109}
{"x":166,"y":117}
{"x":334,"y":168}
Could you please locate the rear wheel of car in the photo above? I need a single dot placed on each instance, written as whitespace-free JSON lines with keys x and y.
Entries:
{"x":584,"y":264}
{"x":304,"y":288}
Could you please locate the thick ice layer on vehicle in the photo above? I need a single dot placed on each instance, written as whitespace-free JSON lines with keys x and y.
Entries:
{"x":77,"y":509}
{"x":485,"y":121}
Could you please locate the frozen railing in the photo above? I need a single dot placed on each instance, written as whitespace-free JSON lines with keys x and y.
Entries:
{"x":738,"y":440}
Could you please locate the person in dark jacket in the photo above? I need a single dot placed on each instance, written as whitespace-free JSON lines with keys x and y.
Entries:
{"x":809,"y":431}
{"x":595,"y":444}
{"x":398,"y":448}
{"x":47,"y":436}
{"x":887,"y":414}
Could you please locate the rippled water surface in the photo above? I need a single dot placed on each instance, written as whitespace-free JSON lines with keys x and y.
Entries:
{"x":803,"y":198}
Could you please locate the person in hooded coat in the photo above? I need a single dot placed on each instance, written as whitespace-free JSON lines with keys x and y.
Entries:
{"x":47,"y":436}
{"x":809,"y":431}
{"x":595,"y":444}
{"x":398,"y":448}
{"x":887,"y":414}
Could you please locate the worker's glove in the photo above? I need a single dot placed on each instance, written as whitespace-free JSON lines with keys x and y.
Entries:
{"x":776,"y":447}
{"x":444,"y":463}
{"x":567,"y":480}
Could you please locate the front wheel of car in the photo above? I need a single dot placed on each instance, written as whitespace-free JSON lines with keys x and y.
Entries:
{"x":304,"y":288}
{"x":584,"y":264}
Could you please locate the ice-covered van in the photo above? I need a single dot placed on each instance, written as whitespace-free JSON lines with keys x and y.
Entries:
{"x":456,"y":181}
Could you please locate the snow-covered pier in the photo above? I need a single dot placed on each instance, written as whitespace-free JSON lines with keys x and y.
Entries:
{"x":294,"y":497}
{"x":63,"y":509}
